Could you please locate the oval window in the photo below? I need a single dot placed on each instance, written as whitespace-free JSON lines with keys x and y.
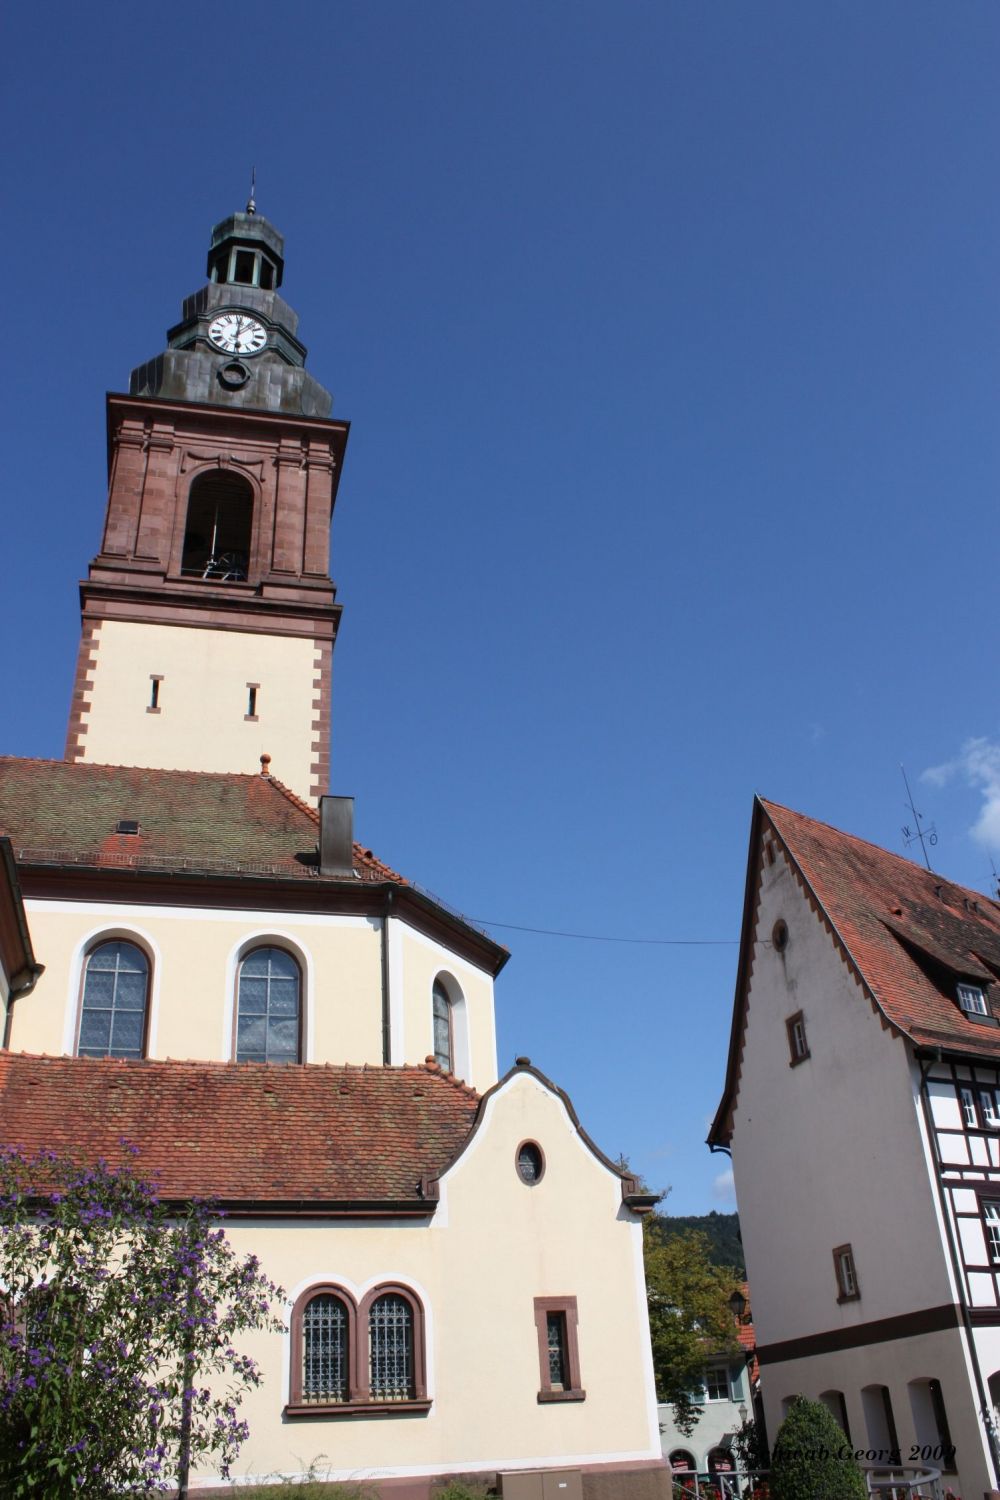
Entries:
{"x":530,"y":1163}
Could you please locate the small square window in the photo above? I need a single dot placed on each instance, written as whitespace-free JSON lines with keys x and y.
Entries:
{"x":972,"y":1000}
{"x":848,"y":1289}
{"x":798,"y":1047}
{"x":717,"y":1383}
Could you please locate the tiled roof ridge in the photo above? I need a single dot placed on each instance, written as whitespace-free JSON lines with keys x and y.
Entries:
{"x":293,"y":797}
{"x":222,"y":1064}
{"x":313,"y":812}
{"x":108,"y":765}
{"x":910,"y":866}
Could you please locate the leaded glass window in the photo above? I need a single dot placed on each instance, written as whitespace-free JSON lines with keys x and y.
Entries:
{"x":267,"y":1025}
{"x":325,"y":1330}
{"x":442,"y":1027}
{"x":529,"y":1163}
{"x":555,"y":1325}
{"x":113,"y":1014}
{"x":390,"y":1332}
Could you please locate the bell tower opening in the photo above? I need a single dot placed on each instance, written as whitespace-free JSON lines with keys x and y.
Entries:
{"x":219,"y":526}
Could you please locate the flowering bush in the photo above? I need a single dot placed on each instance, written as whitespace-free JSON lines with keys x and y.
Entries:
{"x":116,"y":1316}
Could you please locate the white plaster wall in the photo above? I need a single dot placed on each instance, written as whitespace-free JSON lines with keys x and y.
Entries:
{"x":939,"y":1356}
{"x":203,"y":700}
{"x":493,"y":1246}
{"x":718,"y":1418}
{"x":830,"y":1151}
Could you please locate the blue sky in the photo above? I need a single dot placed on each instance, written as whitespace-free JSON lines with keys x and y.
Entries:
{"x":668,"y":333}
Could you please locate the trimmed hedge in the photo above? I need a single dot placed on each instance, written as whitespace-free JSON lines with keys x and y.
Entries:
{"x":812,"y":1459}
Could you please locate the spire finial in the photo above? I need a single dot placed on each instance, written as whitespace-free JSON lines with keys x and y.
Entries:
{"x":251,"y":204}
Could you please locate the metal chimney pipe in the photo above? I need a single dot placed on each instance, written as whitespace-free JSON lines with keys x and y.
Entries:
{"x":336,"y":836}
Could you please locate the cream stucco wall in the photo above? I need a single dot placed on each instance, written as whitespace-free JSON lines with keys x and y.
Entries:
{"x":493,"y":1245}
{"x":203,"y":700}
{"x":194,"y":953}
{"x":415,"y":962}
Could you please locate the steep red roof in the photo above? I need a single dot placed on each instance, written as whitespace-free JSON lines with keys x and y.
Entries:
{"x":911,"y":934}
{"x":57,"y":811}
{"x":321,"y":1135}
{"x":908,"y":934}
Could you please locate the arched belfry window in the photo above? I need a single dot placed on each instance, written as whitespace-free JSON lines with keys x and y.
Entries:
{"x":269,"y":1008}
{"x":115,"y":999}
{"x":218,"y":528}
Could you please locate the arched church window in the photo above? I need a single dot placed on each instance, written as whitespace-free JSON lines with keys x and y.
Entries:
{"x":269,"y":1010}
{"x":444,"y":1051}
{"x":326,"y":1337}
{"x":390,"y":1334}
{"x":115,"y":995}
{"x":218,"y":528}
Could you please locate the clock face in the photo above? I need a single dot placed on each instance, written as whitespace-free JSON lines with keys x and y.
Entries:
{"x":237,"y":333}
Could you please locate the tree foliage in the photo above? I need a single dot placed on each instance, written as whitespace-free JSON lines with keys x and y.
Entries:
{"x":812,"y":1459}
{"x":690,"y":1320}
{"x":116,"y":1346}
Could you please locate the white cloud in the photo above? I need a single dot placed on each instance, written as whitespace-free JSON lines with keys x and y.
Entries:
{"x":724,"y":1188}
{"x":978,"y":764}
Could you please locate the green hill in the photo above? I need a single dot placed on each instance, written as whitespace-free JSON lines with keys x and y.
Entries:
{"x":721,"y":1230}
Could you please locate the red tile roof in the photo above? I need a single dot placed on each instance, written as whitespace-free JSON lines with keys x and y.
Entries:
{"x":321,"y":1135}
{"x":908,"y":934}
{"x":911,"y":934}
{"x":66,"y":812}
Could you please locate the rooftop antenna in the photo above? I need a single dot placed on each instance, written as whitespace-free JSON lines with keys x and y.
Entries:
{"x":251,"y":204}
{"x":917,"y":834}
{"x":996,"y":879}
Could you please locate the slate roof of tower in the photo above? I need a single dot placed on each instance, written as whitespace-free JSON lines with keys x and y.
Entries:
{"x":908,"y":934}
{"x":321,"y":1134}
{"x":58,"y":811}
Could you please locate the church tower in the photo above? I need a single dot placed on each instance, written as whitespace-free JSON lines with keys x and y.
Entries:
{"x":209,"y":614}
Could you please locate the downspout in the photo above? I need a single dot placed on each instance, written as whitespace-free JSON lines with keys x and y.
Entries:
{"x":386,"y":1013}
{"x":22,"y":984}
{"x":956,"y":1263}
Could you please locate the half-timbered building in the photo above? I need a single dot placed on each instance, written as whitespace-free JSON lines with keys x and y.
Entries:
{"x":862,"y":1112}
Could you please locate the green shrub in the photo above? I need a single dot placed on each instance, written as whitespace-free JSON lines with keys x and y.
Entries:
{"x":812,"y":1458}
{"x":458,"y":1489}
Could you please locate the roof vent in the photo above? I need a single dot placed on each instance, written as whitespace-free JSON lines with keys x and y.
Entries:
{"x":127,"y":825}
{"x":336,"y":836}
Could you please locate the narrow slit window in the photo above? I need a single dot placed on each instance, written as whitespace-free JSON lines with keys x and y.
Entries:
{"x":847,"y":1277}
{"x":555,"y":1328}
{"x":153,"y":706}
{"x":253,"y":688}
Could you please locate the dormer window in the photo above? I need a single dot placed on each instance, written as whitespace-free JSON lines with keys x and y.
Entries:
{"x":972,"y":999}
